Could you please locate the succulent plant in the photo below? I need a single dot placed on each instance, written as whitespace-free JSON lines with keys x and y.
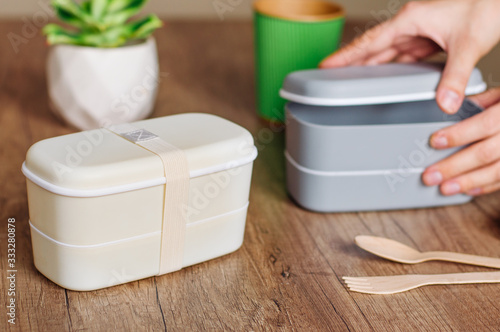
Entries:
{"x":100,"y":23}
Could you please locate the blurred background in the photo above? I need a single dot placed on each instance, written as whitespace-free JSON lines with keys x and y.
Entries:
{"x":206,"y":9}
{"x":366,"y":12}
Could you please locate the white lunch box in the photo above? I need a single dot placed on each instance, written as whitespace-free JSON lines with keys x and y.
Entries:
{"x":97,"y":199}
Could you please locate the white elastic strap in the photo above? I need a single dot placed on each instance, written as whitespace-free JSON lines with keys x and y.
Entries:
{"x":176,"y":193}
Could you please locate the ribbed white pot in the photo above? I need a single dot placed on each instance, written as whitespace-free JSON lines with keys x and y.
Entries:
{"x":93,"y":87}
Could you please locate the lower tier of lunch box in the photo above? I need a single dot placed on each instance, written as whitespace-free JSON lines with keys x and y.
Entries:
{"x":370,"y":190}
{"x":90,"y":267}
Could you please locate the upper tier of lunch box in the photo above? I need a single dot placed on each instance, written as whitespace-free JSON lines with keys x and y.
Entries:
{"x":99,"y":159}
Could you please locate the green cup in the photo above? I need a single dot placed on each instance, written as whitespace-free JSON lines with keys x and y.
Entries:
{"x":290,"y":35}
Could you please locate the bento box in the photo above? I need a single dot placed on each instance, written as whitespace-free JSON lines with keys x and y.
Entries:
{"x":357,"y":137}
{"x":113,"y":205}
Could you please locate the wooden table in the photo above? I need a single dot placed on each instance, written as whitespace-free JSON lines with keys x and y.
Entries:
{"x":287,"y":275}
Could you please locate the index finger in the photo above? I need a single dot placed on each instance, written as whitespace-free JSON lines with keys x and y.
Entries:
{"x":487,"y":98}
{"x":475,"y":128}
{"x":373,"y":41}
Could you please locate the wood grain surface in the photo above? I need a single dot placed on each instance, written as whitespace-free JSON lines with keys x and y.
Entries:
{"x":287,"y":275}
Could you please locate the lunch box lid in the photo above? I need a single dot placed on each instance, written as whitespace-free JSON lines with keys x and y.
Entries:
{"x":364,"y":85}
{"x":99,"y":162}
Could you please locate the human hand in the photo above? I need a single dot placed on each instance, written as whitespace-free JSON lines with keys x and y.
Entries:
{"x":475,"y":170}
{"x":465,"y":29}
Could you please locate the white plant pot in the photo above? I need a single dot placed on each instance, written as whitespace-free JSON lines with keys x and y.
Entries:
{"x":93,"y":87}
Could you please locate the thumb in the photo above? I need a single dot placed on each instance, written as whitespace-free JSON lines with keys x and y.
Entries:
{"x":451,"y":89}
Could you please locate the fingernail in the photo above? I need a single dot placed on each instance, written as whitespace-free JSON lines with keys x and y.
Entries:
{"x":439,"y":141}
{"x":432,"y":178}
{"x":475,"y":192}
{"x":450,"y":101}
{"x":450,"y":188}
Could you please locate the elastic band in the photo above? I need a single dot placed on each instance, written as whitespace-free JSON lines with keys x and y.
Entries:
{"x":176,"y":170}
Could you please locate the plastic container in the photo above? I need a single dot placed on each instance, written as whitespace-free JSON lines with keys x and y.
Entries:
{"x":96,"y":199}
{"x":368,"y":156}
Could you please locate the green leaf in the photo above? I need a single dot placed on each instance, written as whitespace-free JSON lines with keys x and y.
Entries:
{"x":114,"y":18}
{"x":101,"y":23}
{"x":53,"y":39}
{"x":86,"y":6}
{"x":74,"y":9}
{"x":118,"y":36}
{"x":69,"y":18}
{"x":58,"y":35}
{"x":110,"y":38}
{"x":52,"y":28}
{"x":118,"y":5}
{"x":145,"y":27}
{"x":98,"y":8}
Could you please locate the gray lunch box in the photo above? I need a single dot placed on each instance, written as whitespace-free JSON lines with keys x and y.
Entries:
{"x":357,"y":137}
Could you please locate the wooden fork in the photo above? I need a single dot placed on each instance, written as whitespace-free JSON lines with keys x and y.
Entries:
{"x":401,"y":283}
